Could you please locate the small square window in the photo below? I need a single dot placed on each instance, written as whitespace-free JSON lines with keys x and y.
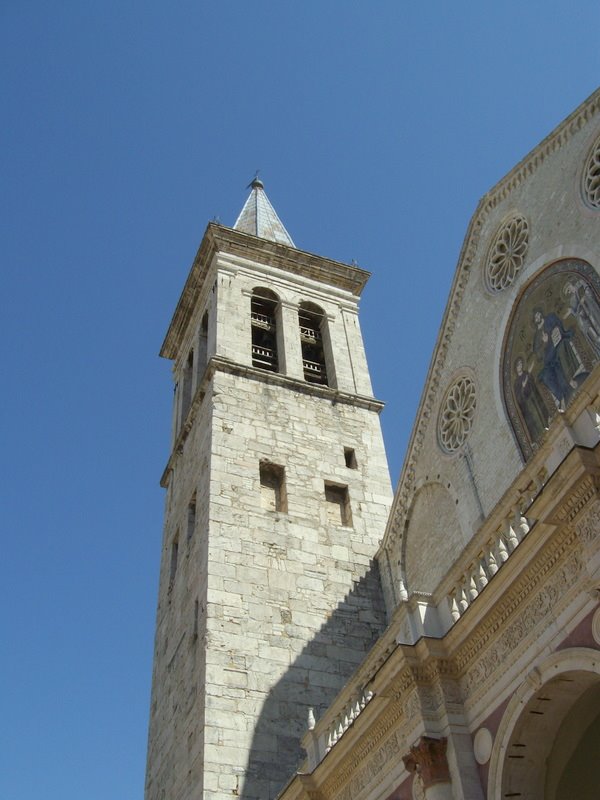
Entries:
{"x":338,"y":504}
{"x":350,"y":457}
{"x":273,"y":496}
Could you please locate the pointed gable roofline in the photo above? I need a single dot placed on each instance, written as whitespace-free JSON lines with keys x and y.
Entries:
{"x":521,"y":172}
{"x":259,"y":218}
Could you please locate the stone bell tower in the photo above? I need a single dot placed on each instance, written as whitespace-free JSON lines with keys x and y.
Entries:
{"x":277,"y":497}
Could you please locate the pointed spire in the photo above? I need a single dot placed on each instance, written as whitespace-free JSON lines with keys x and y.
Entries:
{"x":259,"y":218}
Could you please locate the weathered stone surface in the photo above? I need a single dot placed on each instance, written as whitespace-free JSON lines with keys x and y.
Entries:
{"x":268,"y":612}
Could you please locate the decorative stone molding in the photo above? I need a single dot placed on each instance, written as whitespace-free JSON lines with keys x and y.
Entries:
{"x":428,"y":760}
{"x":418,"y":790}
{"x":590,"y":179}
{"x":456,"y":415}
{"x":507,"y":253}
{"x":353,"y":776}
{"x":588,"y":527}
{"x":564,"y":549}
{"x":535,"y":608}
{"x":310,"y":791}
{"x":580,"y":496}
{"x":417,"y":691}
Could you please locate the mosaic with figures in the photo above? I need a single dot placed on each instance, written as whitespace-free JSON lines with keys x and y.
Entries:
{"x":553,"y":342}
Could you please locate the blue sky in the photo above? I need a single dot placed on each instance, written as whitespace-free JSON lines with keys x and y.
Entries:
{"x":127,"y":127}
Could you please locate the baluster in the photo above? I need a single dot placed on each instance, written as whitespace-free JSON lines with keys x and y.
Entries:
{"x":472,"y":587}
{"x":523,"y":526}
{"x":454,"y":609}
{"x":463,"y":603}
{"x":492,"y":564}
{"x":511,"y":537}
{"x":481,"y":577}
{"x":402,"y":590}
{"x":502,"y":549}
{"x":351,"y":710}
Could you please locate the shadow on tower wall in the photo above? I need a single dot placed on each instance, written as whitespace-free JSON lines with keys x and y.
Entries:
{"x":312,"y":681}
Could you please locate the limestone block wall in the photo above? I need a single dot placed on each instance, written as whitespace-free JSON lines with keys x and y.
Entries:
{"x":293,"y":601}
{"x":176,"y":741}
{"x":266,"y":613}
{"x":200,"y":343}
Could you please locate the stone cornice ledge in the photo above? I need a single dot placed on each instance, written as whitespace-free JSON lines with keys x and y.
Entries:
{"x":219,"y":239}
{"x":218,"y":364}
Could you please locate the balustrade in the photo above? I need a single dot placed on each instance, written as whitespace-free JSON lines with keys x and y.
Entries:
{"x":494,"y":554}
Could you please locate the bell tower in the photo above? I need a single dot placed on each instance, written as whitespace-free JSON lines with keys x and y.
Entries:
{"x":278,"y":494}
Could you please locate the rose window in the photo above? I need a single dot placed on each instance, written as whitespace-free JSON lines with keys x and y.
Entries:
{"x":456,"y":416}
{"x":591,"y":178}
{"x":507,"y":253}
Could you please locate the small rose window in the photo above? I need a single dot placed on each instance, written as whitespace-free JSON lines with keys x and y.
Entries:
{"x":456,"y":416}
{"x":507,"y":253}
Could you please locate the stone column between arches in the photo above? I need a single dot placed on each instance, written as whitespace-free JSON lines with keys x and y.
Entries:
{"x":290,"y":350}
{"x":427,"y":761}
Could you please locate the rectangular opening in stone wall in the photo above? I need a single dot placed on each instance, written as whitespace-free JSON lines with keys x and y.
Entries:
{"x":195,"y":621}
{"x":186,"y":399}
{"x":263,"y":312}
{"x":174,"y":559}
{"x":311,"y":318}
{"x":337,"y":501}
{"x":272,"y":487}
{"x":191,"y":517}
{"x":350,"y":458}
{"x":202,"y":348}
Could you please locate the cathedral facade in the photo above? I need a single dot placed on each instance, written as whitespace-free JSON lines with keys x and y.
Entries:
{"x":320,"y":639}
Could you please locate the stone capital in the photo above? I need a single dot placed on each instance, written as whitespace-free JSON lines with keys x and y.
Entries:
{"x":428,"y":759}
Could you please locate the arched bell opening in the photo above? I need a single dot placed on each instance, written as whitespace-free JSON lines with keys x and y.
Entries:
{"x":263,"y":316}
{"x":311,"y":319}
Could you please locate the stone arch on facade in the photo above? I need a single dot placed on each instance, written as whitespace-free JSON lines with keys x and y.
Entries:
{"x":433,"y":538}
{"x":550,"y":345}
{"x":541,"y":745}
{"x":529,"y":272}
{"x":266,"y":329}
{"x":317,"y":355}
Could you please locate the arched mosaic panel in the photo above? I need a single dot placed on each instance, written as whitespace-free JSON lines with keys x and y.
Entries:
{"x":552,"y":343}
